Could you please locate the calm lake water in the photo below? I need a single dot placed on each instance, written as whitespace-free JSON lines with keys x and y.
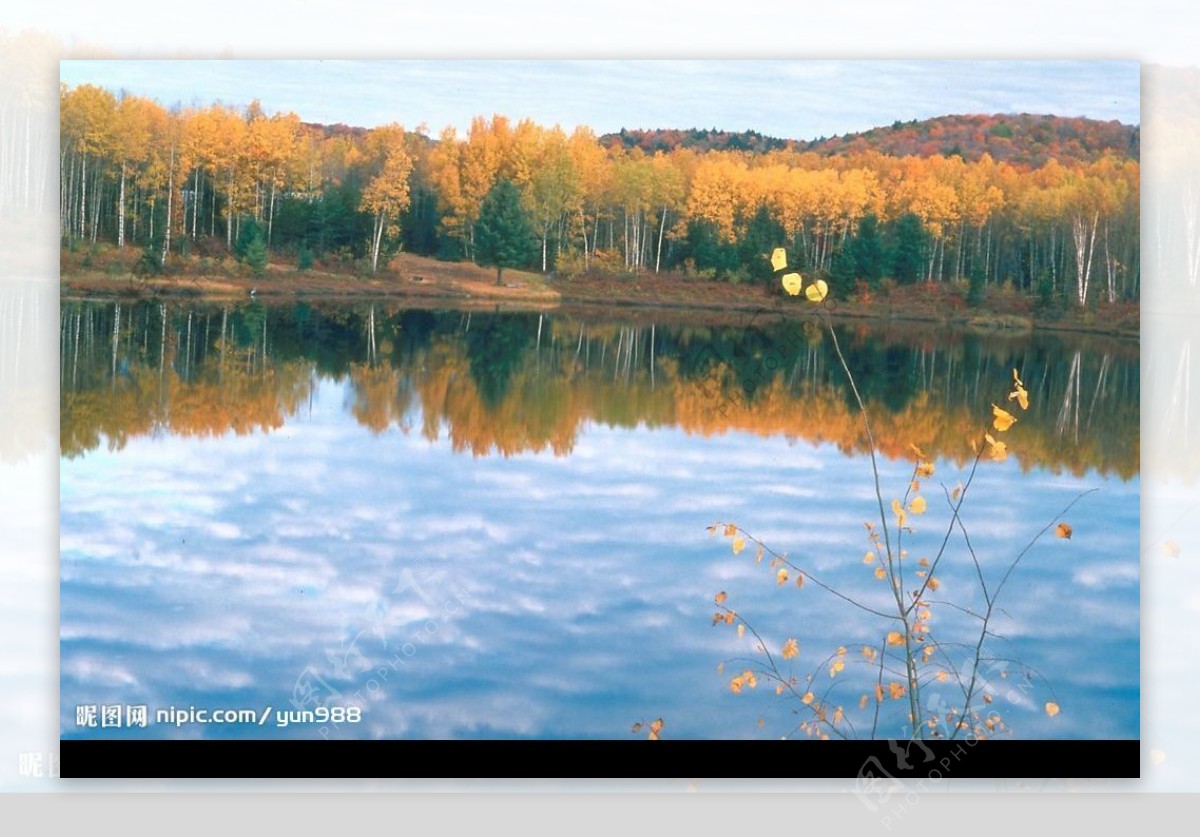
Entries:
{"x":493,"y":525}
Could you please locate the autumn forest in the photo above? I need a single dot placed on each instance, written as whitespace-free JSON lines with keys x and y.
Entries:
{"x":1046,"y":206}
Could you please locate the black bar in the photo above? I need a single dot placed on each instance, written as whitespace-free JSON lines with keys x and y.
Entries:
{"x":878,"y":759}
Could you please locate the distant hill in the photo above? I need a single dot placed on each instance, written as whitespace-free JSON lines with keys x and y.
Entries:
{"x":699,"y":139}
{"x":1021,"y":139}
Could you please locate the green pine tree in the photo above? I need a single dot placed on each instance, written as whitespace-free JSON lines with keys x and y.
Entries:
{"x":503,"y":235}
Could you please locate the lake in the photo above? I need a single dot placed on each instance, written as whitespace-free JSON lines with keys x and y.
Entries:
{"x":486,"y":524}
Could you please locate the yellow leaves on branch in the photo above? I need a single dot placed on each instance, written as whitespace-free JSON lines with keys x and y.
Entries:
{"x":1052,"y":709}
{"x":739,"y":544}
{"x":655,"y":727}
{"x":791,"y":648}
{"x":778,"y":259}
{"x":997,"y":450}
{"x":1063,"y":530}
{"x":746,"y":679}
{"x":895,"y":638}
{"x":1002,"y":420}
{"x":1019,"y":392}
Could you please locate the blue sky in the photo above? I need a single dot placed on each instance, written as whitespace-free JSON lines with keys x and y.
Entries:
{"x":792,"y":99}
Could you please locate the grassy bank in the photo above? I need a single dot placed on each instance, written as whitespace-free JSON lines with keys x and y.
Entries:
{"x":102,"y":272}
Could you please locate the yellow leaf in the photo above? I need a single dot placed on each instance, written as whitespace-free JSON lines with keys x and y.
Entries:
{"x":782,"y":576}
{"x":1021,"y":395}
{"x":895,"y":638}
{"x":817,"y":291}
{"x":799,"y":580}
{"x":838,"y":715}
{"x":880,"y":573}
{"x":925,"y":469}
{"x":656,"y":727}
{"x":1002,"y":420}
{"x":987,"y":699}
{"x":1017,"y":378}
{"x":758,"y":554}
{"x":868,"y":558}
{"x":1051,"y":709}
{"x":741,"y":630}
{"x":1063,"y":530}
{"x":712,"y":530}
{"x":922,"y":562}
{"x":778,"y":259}
{"x":760,"y":721}
{"x":720,"y":597}
{"x":751,"y":681}
{"x":943,"y":676}
{"x":862,"y":702}
{"x":958,"y":490}
{"x":934,"y":584}
{"x":790,"y":649}
{"x":730,"y":529}
{"x":836,"y":667}
{"x":808,"y":698}
{"x":792,"y":283}
{"x":917,"y":506}
{"x":779,"y":689}
{"x":895,"y":690}
{"x":999,"y":451}
{"x":868,"y":653}
{"x":899,"y":512}
{"x":878,"y":692}
{"x":736,"y":684}
{"x":841,"y":651}
{"x":739,"y":544}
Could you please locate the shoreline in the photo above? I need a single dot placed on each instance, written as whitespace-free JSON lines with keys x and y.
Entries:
{"x":429,"y":284}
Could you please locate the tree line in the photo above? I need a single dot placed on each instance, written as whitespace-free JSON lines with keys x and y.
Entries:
{"x":171,"y":181}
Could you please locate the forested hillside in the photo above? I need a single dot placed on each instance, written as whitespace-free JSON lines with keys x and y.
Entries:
{"x":1020,"y":139}
{"x":218,"y":180}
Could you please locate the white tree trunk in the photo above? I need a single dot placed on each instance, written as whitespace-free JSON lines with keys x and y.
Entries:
{"x":661,"y":227}
{"x":379,"y":219}
{"x":1085,"y":244}
{"x":121,"y":214}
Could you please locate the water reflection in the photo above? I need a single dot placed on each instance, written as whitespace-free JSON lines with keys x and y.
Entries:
{"x":508,"y":382}
{"x":263,"y":505}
